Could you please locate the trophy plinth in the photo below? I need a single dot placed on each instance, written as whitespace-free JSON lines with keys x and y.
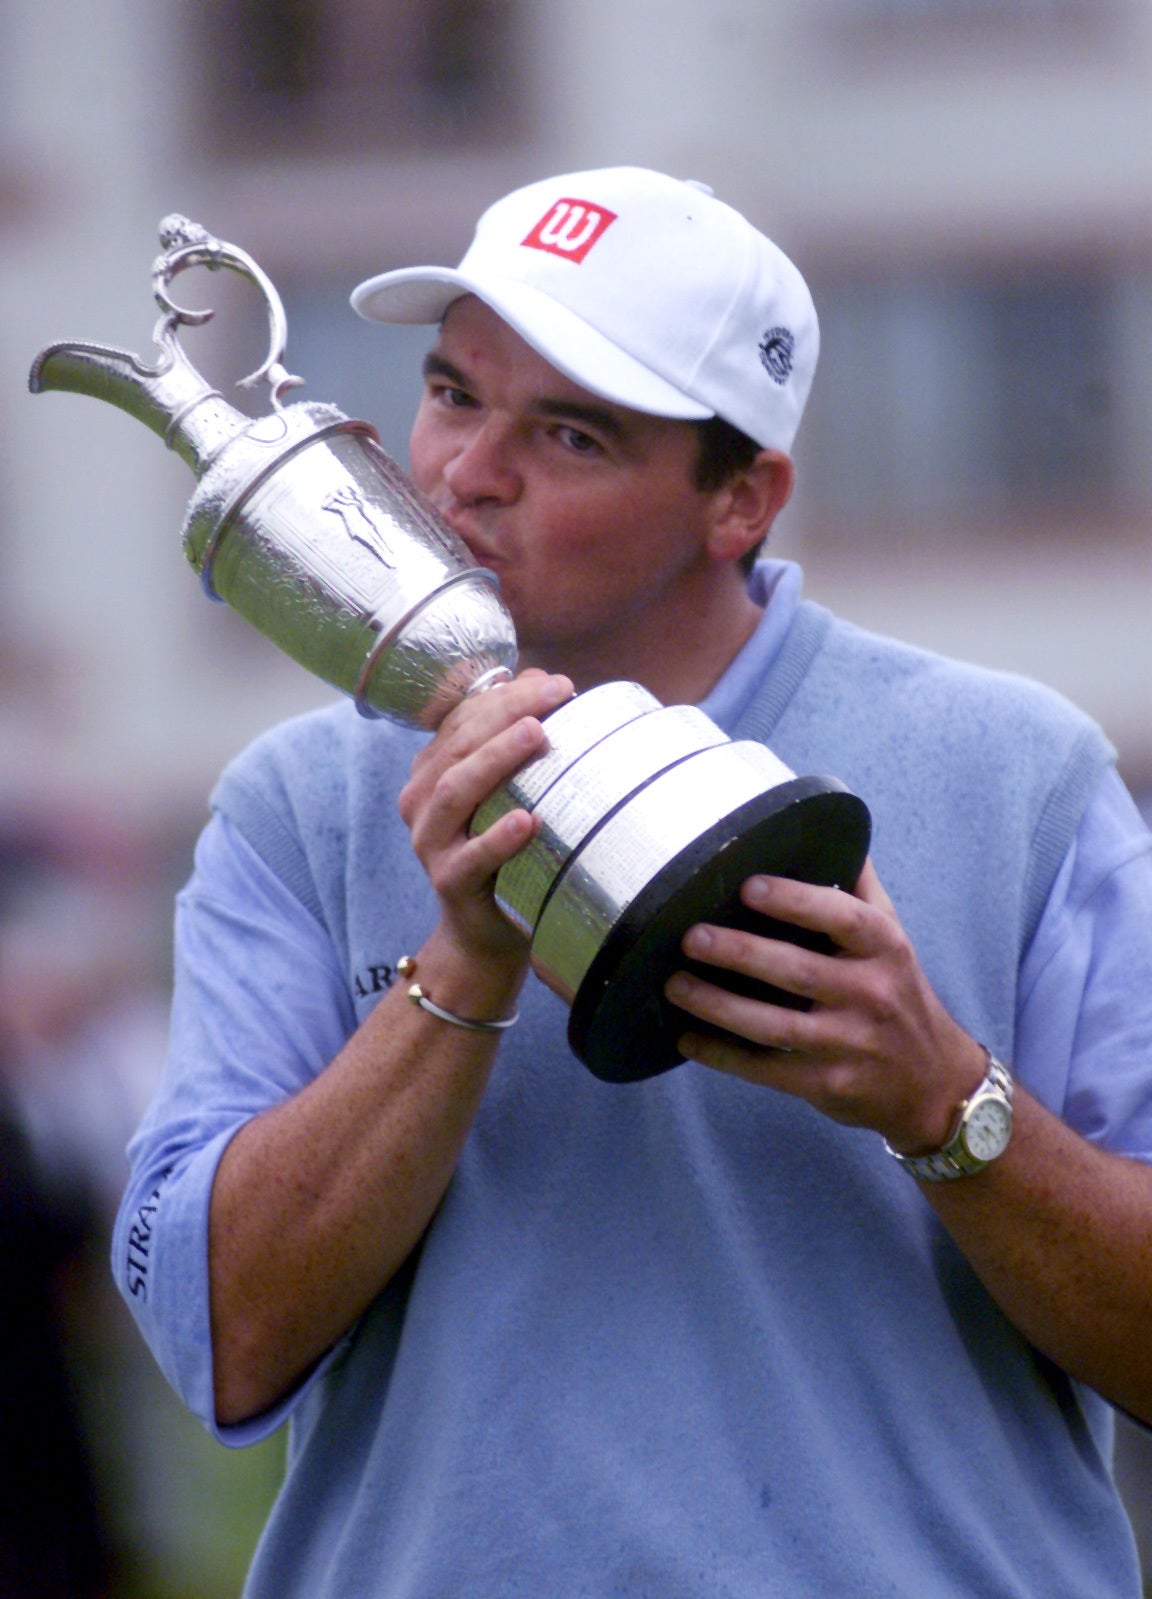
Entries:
{"x":651,"y":817}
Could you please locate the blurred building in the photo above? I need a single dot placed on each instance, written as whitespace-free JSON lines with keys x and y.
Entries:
{"x":967,"y":184}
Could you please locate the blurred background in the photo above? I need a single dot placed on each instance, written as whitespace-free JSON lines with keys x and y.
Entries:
{"x":967,"y":185}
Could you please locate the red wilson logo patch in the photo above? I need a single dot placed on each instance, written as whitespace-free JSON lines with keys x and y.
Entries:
{"x":570,"y":228}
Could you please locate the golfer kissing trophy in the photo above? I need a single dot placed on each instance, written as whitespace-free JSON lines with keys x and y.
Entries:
{"x":652,"y":818}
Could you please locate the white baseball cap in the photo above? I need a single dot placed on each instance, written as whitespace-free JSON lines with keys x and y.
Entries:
{"x":644,"y":289}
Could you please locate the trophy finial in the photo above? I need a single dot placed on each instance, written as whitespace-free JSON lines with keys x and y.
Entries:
{"x":176,"y":232}
{"x":188,"y":244}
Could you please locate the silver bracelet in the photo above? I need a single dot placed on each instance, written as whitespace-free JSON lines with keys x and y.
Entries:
{"x":406,"y":965}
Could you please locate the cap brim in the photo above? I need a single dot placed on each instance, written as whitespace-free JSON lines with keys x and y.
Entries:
{"x":421,"y":295}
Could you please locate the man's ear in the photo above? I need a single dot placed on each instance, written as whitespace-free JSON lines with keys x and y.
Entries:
{"x":746,"y":506}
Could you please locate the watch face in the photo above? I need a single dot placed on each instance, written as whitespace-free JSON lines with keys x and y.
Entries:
{"x":987,"y":1128}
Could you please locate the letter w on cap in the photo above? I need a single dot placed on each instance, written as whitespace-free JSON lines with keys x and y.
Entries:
{"x":570,"y":229}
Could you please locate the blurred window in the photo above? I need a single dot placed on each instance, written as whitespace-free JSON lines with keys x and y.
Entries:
{"x":1014,"y":13}
{"x":373,"y":371}
{"x":966,"y":8}
{"x":329,"y":76}
{"x":1005,"y":398}
{"x":923,"y":29}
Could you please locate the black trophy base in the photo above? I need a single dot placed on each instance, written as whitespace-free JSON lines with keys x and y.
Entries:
{"x":812,"y":829}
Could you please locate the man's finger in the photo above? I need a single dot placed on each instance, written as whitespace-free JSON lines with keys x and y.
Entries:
{"x":754,"y":1020}
{"x":804,"y":972}
{"x":848,"y":920}
{"x":460,"y":785}
{"x":475,"y":719}
{"x":871,"y":890}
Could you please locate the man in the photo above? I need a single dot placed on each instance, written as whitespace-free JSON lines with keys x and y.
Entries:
{"x":703,"y":1334}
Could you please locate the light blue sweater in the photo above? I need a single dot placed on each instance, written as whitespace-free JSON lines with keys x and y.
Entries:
{"x":678,"y":1338}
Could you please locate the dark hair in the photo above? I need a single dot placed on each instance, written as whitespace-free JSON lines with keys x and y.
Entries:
{"x":722,"y":451}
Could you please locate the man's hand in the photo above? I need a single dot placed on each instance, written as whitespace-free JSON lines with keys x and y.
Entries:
{"x":479,"y":745}
{"x":877,"y":1048}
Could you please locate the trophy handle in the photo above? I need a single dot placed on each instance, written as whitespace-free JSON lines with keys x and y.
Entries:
{"x":187,"y":244}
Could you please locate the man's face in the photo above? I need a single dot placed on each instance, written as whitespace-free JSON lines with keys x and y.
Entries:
{"x":585,"y":510}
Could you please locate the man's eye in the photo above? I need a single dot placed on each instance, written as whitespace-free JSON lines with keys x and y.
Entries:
{"x":454,"y":398}
{"x":579,"y":442}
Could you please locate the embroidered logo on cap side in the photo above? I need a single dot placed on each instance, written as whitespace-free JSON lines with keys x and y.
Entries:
{"x":776,"y":351}
{"x":570,"y":228}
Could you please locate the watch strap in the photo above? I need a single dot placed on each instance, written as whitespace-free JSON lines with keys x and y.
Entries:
{"x":953,"y":1158}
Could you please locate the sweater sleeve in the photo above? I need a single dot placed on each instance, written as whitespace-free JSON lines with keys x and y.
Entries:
{"x":1084,"y":1018}
{"x":260,"y":1007}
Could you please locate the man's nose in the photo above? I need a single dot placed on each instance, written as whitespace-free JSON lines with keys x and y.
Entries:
{"x":485,"y":467}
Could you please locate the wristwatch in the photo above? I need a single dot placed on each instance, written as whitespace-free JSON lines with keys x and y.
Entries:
{"x":983,"y":1128}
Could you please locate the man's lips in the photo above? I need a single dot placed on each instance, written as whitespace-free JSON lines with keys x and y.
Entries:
{"x":480,"y":549}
